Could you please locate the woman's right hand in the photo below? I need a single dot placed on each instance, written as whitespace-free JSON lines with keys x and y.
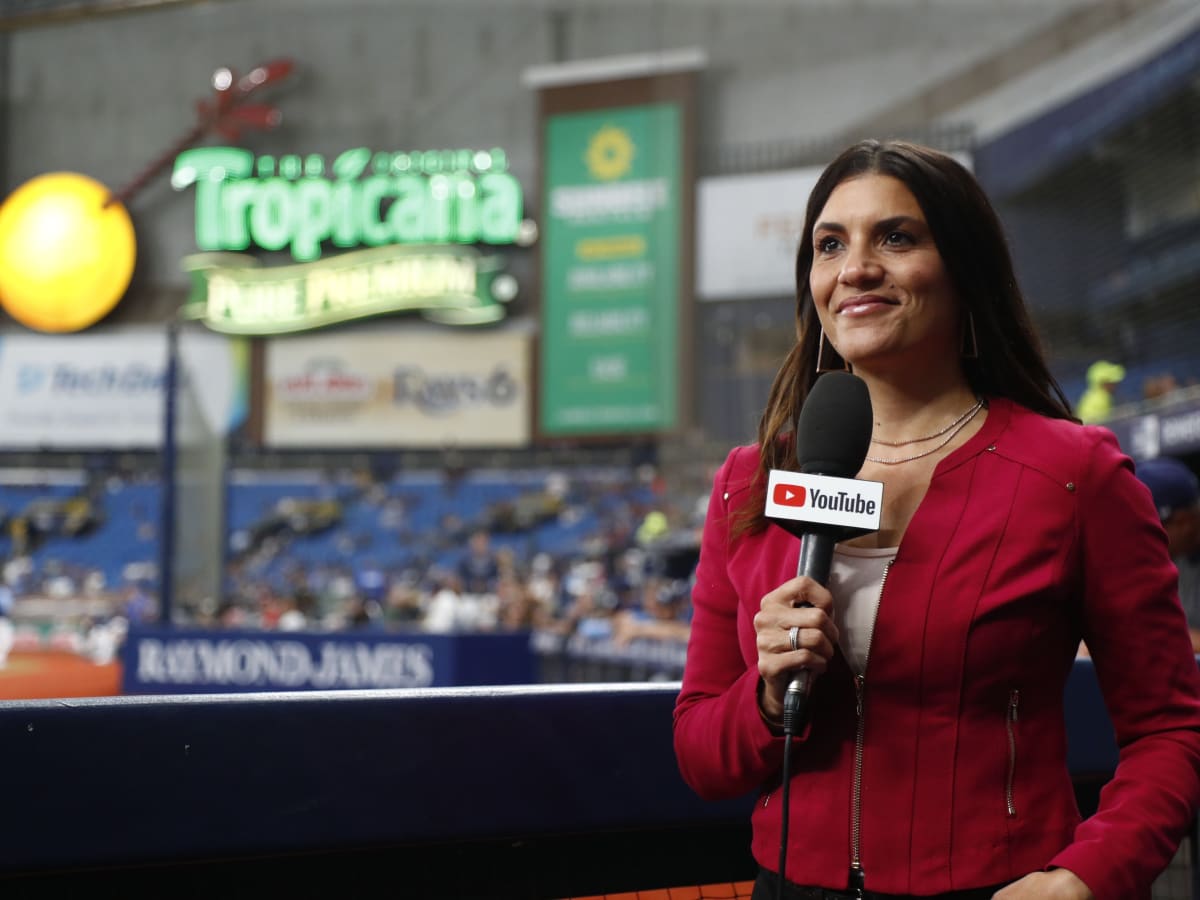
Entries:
{"x":798,"y":603}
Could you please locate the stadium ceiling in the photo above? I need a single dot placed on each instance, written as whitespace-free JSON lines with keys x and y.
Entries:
{"x":16,"y":14}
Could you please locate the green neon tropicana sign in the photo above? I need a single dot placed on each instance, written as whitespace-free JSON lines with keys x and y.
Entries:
{"x":450,"y":285}
{"x":361,"y":199}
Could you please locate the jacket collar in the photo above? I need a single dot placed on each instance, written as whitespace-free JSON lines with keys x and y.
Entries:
{"x":999,"y":414}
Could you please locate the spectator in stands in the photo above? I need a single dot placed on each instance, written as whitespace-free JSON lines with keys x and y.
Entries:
{"x":20,"y":535}
{"x":545,"y":584}
{"x":291,"y":616}
{"x":452,"y":530}
{"x":7,"y":632}
{"x":1096,"y":403}
{"x":403,"y":604}
{"x":628,"y":577}
{"x":139,"y":605}
{"x":18,"y":572}
{"x":661,"y":616}
{"x":393,"y":514}
{"x":445,"y":611}
{"x":270,"y":605}
{"x":336,"y":593}
{"x":371,"y":581}
{"x":361,"y":613}
{"x":102,"y":640}
{"x":588,"y":613}
{"x":653,"y":527}
{"x":1008,"y":531}
{"x":1159,"y":387}
{"x":479,"y":567}
{"x":1176,"y":493}
{"x":517,"y":608}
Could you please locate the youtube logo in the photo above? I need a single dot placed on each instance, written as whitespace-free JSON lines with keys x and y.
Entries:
{"x":796,"y":499}
{"x":789,"y":494}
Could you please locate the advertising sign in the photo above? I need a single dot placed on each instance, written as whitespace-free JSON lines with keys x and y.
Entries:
{"x":1172,"y":431}
{"x":414,"y":222}
{"x":361,"y":198}
{"x":398,"y":388}
{"x":106,"y":389}
{"x":610,"y":266}
{"x":232,"y":293}
{"x":180,"y":660}
{"x":748,"y":228}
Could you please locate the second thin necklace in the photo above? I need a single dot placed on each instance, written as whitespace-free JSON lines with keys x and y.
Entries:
{"x":950,"y":431}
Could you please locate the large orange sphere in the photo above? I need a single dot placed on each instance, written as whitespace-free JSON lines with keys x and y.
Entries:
{"x":65,"y":257}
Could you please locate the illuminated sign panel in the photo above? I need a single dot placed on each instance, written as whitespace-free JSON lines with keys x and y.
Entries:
{"x":610,"y":270}
{"x":105,"y":390}
{"x":451,"y":285}
{"x":434,"y":197}
{"x":389,"y":387}
{"x":67,"y":252}
{"x":412,"y":220}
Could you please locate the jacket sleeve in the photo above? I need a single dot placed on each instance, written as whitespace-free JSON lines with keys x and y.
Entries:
{"x":1137,"y":634}
{"x":723,"y":746}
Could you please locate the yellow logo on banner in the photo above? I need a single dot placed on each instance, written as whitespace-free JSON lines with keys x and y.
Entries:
{"x":610,"y":153}
{"x":66,"y":252}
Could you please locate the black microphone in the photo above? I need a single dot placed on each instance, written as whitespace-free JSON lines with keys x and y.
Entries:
{"x":833,"y":435}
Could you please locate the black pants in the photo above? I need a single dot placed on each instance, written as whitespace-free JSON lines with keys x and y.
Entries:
{"x":767,"y":884}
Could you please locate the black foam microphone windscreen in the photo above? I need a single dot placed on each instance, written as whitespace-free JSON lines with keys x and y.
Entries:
{"x":833,"y":432}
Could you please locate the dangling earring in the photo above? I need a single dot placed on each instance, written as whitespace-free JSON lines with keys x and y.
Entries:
{"x":970,"y":344}
{"x":821,"y":351}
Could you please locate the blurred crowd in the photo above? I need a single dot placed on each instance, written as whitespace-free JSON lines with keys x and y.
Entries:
{"x":607,"y":559}
{"x":1108,"y":390}
{"x":620,"y":591}
{"x":602,"y":556}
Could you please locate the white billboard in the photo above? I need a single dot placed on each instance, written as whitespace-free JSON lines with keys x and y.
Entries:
{"x":398,"y":387}
{"x":104,"y":389}
{"x":748,"y":227}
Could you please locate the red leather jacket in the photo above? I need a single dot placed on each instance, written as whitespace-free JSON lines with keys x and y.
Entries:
{"x":1033,"y":535}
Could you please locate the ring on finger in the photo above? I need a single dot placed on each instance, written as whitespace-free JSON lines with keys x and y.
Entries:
{"x":794,"y":636}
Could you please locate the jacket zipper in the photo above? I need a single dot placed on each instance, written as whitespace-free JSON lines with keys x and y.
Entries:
{"x":1010,"y":724}
{"x":857,"y":875}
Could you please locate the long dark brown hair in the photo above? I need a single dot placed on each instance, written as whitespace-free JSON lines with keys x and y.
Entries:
{"x":975,"y":252}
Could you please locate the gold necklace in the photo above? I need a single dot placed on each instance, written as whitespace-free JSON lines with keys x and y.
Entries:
{"x":962,"y":423}
{"x":929,"y":437}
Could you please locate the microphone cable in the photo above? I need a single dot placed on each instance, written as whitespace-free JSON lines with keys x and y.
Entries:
{"x":833,"y":429}
{"x":793,"y":714}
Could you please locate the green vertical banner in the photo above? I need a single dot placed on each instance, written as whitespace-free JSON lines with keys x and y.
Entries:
{"x":610,"y":271}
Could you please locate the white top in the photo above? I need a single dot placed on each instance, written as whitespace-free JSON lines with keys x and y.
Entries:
{"x":856,"y":582}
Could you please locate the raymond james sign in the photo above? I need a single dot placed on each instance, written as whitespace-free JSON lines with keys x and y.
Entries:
{"x":184,"y":661}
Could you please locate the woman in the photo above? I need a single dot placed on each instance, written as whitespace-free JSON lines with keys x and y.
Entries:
{"x":933,"y":760}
